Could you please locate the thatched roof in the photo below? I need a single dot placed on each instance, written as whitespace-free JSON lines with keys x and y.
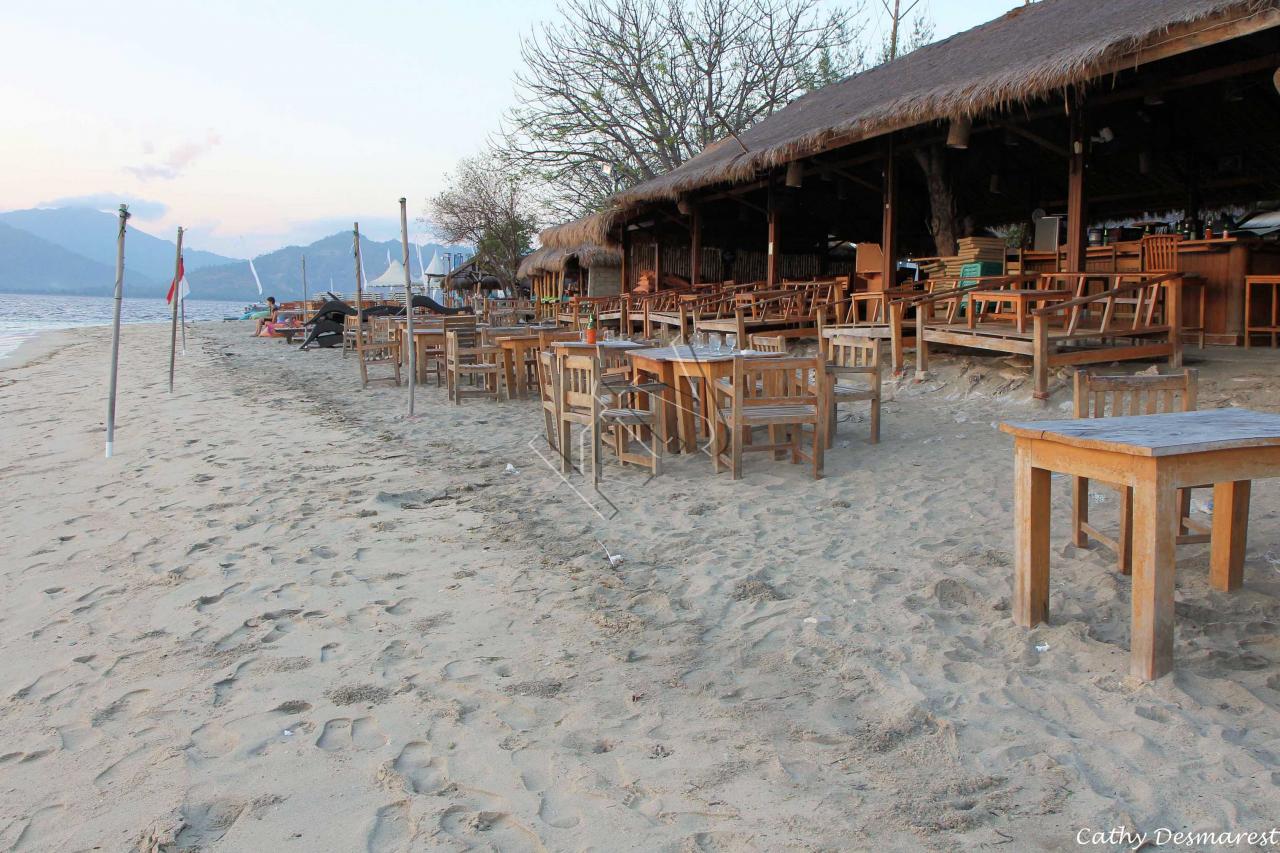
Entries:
{"x":586,"y":239}
{"x":1031,"y":52}
{"x":592,"y":230}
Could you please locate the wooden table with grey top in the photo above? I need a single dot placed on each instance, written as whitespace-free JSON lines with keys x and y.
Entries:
{"x":1155,"y":455}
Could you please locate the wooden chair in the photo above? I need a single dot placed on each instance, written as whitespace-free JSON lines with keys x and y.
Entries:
{"x":769,"y":343}
{"x":1159,"y":254}
{"x":585,"y":396}
{"x":466,"y":359}
{"x":435,"y":356}
{"x":376,"y":346}
{"x":1130,"y":395}
{"x":851,"y":361}
{"x":780,"y":394}
{"x":350,"y":327}
{"x":548,"y":389}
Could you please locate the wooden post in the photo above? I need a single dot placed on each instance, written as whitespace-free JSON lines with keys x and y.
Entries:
{"x":627,"y":283}
{"x":115,"y":333}
{"x":1077,"y":207}
{"x":657,"y":261}
{"x":695,"y":246}
{"x":411,"y":343}
{"x":364,"y":370}
{"x":895,"y":337}
{"x":1040,"y":355}
{"x":173,"y":326}
{"x":304,"y":288}
{"x":889,"y":219}
{"x":771,"y":275}
{"x":1173,"y":317}
{"x":922,"y":346}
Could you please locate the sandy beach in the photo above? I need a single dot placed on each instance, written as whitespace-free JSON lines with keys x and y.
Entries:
{"x":286,"y":617}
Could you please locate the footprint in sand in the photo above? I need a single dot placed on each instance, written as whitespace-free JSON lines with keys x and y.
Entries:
{"x":558,"y":810}
{"x":40,"y":830}
{"x":392,"y":829}
{"x":329,"y":651}
{"x":421,"y":772}
{"x":344,"y":733}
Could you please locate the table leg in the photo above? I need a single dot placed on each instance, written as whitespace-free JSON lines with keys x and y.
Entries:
{"x":521,"y":359}
{"x":1031,"y":491}
{"x":508,"y":367}
{"x":1155,"y":536}
{"x":687,"y":424}
{"x":1230,"y":534}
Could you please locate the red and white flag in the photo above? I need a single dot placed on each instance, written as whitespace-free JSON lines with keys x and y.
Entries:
{"x":179,"y":284}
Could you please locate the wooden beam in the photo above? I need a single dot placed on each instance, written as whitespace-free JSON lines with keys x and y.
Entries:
{"x":1047,"y":145}
{"x":1077,"y":210}
{"x":771,"y":276}
{"x":889,"y":218}
{"x":695,"y":245}
{"x":626,"y":283}
{"x":657,"y":263}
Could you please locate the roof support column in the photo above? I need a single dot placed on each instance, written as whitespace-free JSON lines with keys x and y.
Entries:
{"x":657,"y":261}
{"x":626,"y":259}
{"x":771,"y":276}
{"x":889,"y":221}
{"x":1077,"y":205}
{"x":695,"y":246}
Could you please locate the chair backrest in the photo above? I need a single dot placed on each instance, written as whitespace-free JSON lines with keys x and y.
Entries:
{"x":545,"y":339}
{"x":850,"y":351}
{"x":1160,"y":253}
{"x":612,"y":359}
{"x":578,"y":377}
{"x":769,"y":343}
{"x":546,"y":376}
{"x":776,"y":381}
{"x":1116,"y":396}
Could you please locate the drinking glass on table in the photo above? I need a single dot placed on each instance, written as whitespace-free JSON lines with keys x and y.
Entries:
{"x":732,"y":341}
{"x":610,"y":335}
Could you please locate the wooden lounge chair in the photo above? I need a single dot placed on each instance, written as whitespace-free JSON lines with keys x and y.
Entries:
{"x":780,"y":394}
{"x":853,"y":374}
{"x":1130,"y":395}
{"x":377,"y":347}
{"x":466,"y":359}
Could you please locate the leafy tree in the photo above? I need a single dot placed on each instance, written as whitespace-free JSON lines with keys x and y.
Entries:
{"x":491,"y":207}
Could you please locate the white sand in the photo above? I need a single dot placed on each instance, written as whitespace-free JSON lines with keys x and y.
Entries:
{"x":286,"y":618}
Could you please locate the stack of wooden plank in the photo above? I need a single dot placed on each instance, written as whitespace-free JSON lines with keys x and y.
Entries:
{"x":969,"y":250}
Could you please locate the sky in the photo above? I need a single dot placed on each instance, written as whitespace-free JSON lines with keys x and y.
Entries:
{"x":257,"y":124}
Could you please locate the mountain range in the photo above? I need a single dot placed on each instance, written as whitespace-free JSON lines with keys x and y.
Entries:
{"x":72,"y":250}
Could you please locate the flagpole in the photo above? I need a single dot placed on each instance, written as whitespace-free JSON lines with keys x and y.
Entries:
{"x":173,"y":327}
{"x":359,"y":291}
{"x":182,"y":320}
{"x":408,"y":304}
{"x":304,"y":288}
{"x":115,"y":334}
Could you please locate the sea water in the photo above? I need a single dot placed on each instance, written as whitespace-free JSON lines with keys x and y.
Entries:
{"x":24,"y":315}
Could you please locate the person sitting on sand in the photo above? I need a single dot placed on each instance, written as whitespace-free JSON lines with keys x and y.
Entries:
{"x":268,"y":322}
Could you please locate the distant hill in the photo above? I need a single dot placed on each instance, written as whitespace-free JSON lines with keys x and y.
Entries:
{"x":29,"y":264}
{"x":73,"y":250}
{"x":330,"y":264}
{"x":92,"y":234}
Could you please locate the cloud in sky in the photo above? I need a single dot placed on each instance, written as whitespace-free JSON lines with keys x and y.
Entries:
{"x":175,"y":161}
{"x":142,"y":208}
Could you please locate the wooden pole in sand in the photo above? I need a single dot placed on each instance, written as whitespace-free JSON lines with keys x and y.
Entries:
{"x":115,"y":333}
{"x":173,"y":327}
{"x":412,"y":347}
{"x":304,"y":287}
{"x":359,"y":290}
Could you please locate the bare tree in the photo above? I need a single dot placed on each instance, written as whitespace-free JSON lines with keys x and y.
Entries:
{"x":622,"y":90}
{"x":490,"y":207}
{"x":895,"y":42}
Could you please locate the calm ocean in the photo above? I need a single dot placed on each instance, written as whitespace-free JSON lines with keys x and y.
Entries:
{"x":23,"y":315}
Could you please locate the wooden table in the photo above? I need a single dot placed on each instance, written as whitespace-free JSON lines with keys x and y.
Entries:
{"x":1154,"y":454}
{"x":426,"y":339}
{"x":515,"y":350}
{"x":677,"y":367}
{"x":1021,"y":299}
